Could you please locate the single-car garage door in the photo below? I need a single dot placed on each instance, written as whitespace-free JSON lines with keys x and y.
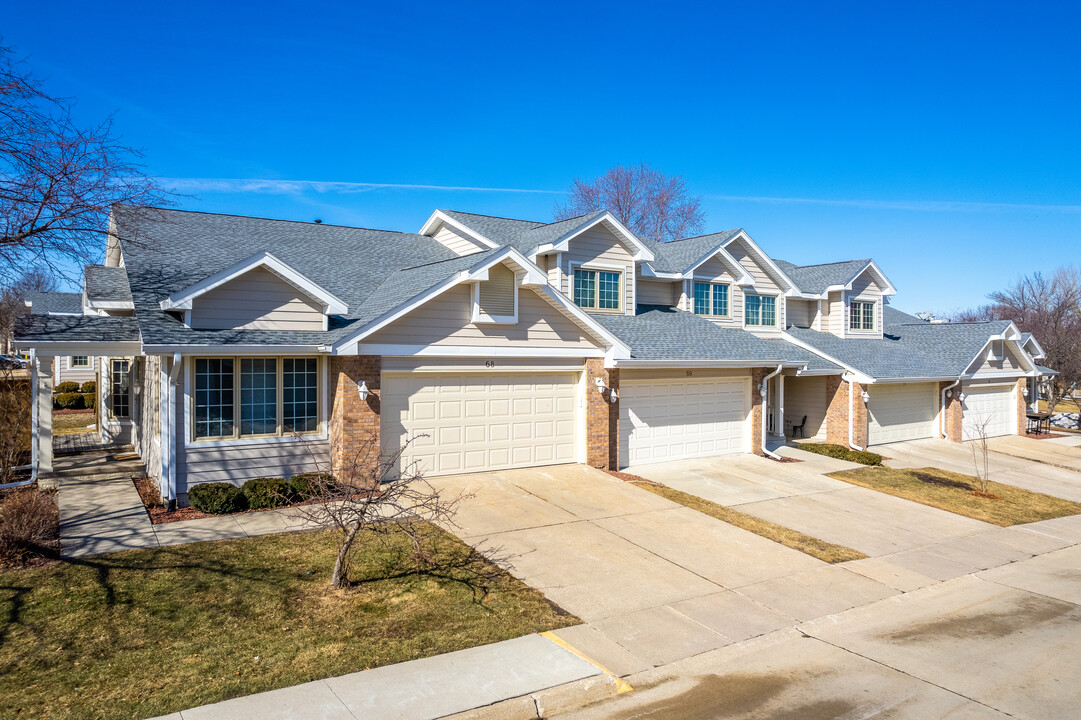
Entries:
{"x":480,"y":422}
{"x":991,"y":405}
{"x":674,"y":419}
{"x":901,"y":412}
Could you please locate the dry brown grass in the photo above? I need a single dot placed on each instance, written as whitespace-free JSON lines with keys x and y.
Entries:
{"x":73,"y":423}
{"x":954,"y":492}
{"x":825,"y":551}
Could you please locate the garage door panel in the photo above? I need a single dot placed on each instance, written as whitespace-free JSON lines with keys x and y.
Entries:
{"x":675,"y":419}
{"x":476,"y":423}
{"x":901,"y":412}
{"x":993,"y":406}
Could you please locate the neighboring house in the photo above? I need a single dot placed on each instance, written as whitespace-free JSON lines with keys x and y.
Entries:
{"x":238,"y":347}
{"x":71,"y":368}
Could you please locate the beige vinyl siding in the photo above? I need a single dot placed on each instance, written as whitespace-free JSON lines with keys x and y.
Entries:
{"x":801,"y":312}
{"x":806,"y":396}
{"x":445,"y":320}
{"x":256,"y":300}
{"x":236,"y":464}
{"x":764,"y":281}
{"x":654,"y":292}
{"x":66,"y":373}
{"x":600,"y":246}
{"x":1010,"y":363}
{"x":496,"y":294}
{"x":146,"y":425}
{"x":838,"y":314}
{"x":456,"y":241}
{"x":865,"y":289}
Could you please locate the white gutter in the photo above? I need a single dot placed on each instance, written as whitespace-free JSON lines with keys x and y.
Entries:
{"x":33,"y":428}
{"x":852,"y":415}
{"x":765,"y":401}
{"x":944,"y":391}
{"x":660,"y":364}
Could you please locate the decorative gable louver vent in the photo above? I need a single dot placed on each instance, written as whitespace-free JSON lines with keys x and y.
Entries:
{"x":496,"y":295}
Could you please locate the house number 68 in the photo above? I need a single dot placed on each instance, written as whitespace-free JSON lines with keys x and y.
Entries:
{"x":489,"y":363}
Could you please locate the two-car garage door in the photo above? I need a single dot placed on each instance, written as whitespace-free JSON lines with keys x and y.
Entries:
{"x":475,"y":422}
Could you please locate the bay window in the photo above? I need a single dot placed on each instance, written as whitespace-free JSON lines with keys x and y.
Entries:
{"x":255,"y":397}
{"x":760,"y":310}
{"x":711,"y":299}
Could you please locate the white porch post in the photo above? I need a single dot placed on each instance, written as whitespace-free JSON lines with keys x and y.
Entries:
{"x":41,"y":379}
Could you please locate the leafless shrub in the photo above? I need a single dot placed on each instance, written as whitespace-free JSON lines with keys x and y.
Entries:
{"x":15,"y":414}
{"x":981,"y":453}
{"x":369,"y":493}
{"x":29,"y":526}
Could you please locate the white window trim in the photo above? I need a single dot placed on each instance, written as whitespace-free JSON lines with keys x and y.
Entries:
{"x":604,"y":267}
{"x":320,"y":433}
{"x":478,"y":316}
{"x":848,"y":320}
{"x":712,"y":283}
{"x":776,"y":310}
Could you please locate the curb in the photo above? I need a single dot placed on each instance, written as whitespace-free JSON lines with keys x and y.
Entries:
{"x":545,"y":703}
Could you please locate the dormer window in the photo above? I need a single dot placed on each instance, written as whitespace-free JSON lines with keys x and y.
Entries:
{"x":861,"y":315}
{"x":597,"y":289}
{"x":711,"y":299}
{"x":495,"y":300}
{"x":760,"y":310}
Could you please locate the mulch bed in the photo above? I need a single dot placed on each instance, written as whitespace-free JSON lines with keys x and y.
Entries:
{"x":1043,"y":436}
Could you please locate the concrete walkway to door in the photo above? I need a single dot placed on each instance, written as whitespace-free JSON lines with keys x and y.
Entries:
{"x":655,"y":581}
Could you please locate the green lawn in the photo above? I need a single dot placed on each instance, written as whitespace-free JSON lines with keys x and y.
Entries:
{"x":72,"y":423}
{"x":149,"y":632}
{"x":954,"y":492}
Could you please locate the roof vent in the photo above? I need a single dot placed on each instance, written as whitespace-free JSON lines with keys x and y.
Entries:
{"x":319,"y":221}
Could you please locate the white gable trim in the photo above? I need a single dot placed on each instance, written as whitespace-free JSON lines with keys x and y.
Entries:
{"x":533,"y":277}
{"x":639,"y":252}
{"x":1010,"y":334}
{"x":889,"y":289}
{"x":860,"y":377}
{"x":182,"y":300}
{"x":742,"y":276}
{"x":441,"y":218}
{"x":1039,"y":354}
{"x":742,"y":236}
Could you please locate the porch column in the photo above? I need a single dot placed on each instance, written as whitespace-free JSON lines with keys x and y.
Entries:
{"x":42,"y":382}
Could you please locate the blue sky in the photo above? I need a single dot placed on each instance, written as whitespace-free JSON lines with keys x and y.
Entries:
{"x":939,"y":138}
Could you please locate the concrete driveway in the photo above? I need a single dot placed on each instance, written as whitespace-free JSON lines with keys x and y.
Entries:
{"x":1005,"y":468}
{"x":654,"y":581}
{"x":1063,"y":454}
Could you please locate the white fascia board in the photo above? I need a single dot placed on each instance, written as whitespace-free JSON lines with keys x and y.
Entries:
{"x":870,"y":266}
{"x":183,"y":350}
{"x":182,"y":300}
{"x":641,"y":254}
{"x":474,"y":351}
{"x":110,"y":305}
{"x":649,"y":272}
{"x":663,"y":364}
{"x":744,"y":279}
{"x":50,"y":349}
{"x":1005,"y":375}
{"x":793,"y":289}
{"x":1040,"y":352}
{"x":903,"y":380}
{"x":860,"y":376}
{"x":440,"y":217}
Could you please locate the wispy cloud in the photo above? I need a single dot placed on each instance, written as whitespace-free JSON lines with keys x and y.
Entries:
{"x":912,"y":205}
{"x":290,"y":187}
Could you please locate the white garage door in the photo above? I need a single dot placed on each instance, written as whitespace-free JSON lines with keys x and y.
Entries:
{"x":901,"y":412}
{"x":995,"y":405}
{"x":674,"y":419}
{"x":474,"y":423}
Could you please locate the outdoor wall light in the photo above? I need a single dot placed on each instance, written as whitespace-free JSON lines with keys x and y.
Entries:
{"x":961,"y":397}
{"x":949,"y":393}
{"x":613,"y":396}
{"x":362,"y":389}
{"x":865,"y":396}
{"x":601,"y":387}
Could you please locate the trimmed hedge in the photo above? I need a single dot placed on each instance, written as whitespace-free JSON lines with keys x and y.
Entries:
{"x":301,"y":485}
{"x":842,"y":453}
{"x":89,"y":387}
{"x":89,"y":399}
{"x":70,"y":400}
{"x":66,"y":387}
{"x":266,"y":492}
{"x":220,"y":498}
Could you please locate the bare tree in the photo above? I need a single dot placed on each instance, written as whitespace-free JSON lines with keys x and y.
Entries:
{"x":13,"y":305}
{"x":15,"y":413}
{"x":369,"y":497}
{"x":1049,"y":307}
{"x":58,"y":180}
{"x":646,"y":201}
{"x":981,"y":452}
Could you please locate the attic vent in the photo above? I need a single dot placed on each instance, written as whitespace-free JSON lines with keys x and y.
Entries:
{"x":496,"y":294}
{"x":997,"y":351}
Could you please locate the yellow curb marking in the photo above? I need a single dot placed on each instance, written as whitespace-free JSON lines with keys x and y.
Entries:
{"x":621,"y":685}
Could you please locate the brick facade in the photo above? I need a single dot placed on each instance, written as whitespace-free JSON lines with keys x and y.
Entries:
{"x":953,"y":413}
{"x":757,"y":376}
{"x":354,"y":423}
{"x":1022,"y":406}
{"x":602,"y":417}
{"x":838,"y":409}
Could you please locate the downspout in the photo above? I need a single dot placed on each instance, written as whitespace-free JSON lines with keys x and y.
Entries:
{"x":765,"y":402}
{"x":852,"y":416}
{"x":174,"y":440}
{"x":33,"y":428}
{"x":944,"y":391}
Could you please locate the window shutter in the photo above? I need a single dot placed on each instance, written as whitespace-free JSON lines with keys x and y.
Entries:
{"x":497,"y":292}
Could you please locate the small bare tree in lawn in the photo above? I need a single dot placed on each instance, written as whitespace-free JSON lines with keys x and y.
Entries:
{"x":370,"y":495}
{"x":981,"y":453}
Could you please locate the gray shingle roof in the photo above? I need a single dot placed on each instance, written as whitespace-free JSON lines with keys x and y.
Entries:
{"x":679,"y":255}
{"x":816,"y":278}
{"x":81,"y":328}
{"x":43,"y":303}
{"x":920,"y":350}
{"x":665,"y":333}
{"x":106,"y":284}
{"x":892,"y":316}
{"x":523,"y":235}
{"x":1044,"y":370}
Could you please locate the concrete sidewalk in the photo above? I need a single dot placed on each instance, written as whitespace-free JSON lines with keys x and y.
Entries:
{"x":529,"y":677}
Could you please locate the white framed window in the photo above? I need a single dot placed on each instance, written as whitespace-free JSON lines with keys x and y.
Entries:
{"x":759,"y":310}
{"x":255,"y":397}
{"x":711,"y":299}
{"x":495,"y":300}
{"x":596,"y":289}
{"x":120,"y":389}
{"x":861,"y":315}
{"x":79,"y":361}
